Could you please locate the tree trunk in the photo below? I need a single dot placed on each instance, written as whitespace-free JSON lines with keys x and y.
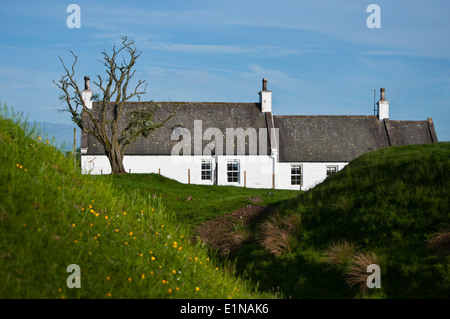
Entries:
{"x":116,"y":161}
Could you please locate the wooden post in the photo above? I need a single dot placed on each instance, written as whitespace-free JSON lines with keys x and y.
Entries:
{"x":129,"y":171}
{"x":273,"y":180}
{"x":159,"y":171}
{"x":245,"y":178}
{"x":75,"y":147}
{"x":189,"y":175}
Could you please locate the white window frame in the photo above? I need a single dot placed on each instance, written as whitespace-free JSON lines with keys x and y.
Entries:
{"x":235,"y":175}
{"x":299,"y":175}
{"x":206,"y":171}
{"x":335,"y":167}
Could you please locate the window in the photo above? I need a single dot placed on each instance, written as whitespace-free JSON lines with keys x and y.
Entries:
{"x":233,"y":171}
{"x":296,"y":175}
{"x":331,"y":170}
{"x":206,"y":170}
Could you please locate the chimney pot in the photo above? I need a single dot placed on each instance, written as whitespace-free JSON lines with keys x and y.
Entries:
{"x":264,"y":84}
{"x":382,"y":91}
{"x":86,"y":83}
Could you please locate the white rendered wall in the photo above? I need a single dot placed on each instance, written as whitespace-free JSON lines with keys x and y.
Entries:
{"x":312,"y":174}
{"x":383,"y":110}
{"x":254,"y":171}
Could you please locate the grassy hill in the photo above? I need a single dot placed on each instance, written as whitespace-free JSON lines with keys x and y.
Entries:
{"x":389,"y":207}
{"x":131,"y":235}
{"x":125,"y":243}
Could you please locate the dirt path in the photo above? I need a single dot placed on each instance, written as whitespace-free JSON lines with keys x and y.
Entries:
{"x":225,"y":234}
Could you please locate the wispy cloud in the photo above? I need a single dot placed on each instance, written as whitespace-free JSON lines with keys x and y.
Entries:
{"x":388,"y":53}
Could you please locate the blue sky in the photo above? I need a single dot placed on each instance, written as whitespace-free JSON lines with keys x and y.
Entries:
{"x":319,"y":57}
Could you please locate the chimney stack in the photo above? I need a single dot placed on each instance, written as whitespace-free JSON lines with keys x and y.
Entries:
{"x":383,"y":106}
{"x":86,"y":94}
{"x":265,"y":97}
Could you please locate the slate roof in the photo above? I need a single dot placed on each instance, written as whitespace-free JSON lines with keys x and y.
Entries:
{"x":213,"y":115}
{"x":301,"y":138}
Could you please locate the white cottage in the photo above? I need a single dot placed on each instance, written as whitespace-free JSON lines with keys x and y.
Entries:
{"x":245,"y":144}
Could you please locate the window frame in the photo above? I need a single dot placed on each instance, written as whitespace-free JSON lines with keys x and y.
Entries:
{"x":331,"y":166}
{"x":297,"y":176}
{"x":235,"y":174}
{"x":205,"y":172}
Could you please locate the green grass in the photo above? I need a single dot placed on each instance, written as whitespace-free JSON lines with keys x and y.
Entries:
{"x":208,"y":201}
{"x":389,"y":202}
{"x":126,"y":244}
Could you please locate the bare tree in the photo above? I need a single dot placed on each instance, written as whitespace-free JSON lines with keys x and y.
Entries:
{"x":102,"y":121}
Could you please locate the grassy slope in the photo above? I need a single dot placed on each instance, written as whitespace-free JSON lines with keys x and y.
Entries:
{"x":389,"y":202}
{"x":126,"y":245}
{"x":207,"y":202}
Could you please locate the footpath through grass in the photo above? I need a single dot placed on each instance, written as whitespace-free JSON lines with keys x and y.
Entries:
{"x":125,"y":243}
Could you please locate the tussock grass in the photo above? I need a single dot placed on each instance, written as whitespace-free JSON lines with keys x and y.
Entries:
{"x":276,"y":233}
{"x":340,"y":252}
{"x":440,"y":242}
{"x":357,"y":275}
